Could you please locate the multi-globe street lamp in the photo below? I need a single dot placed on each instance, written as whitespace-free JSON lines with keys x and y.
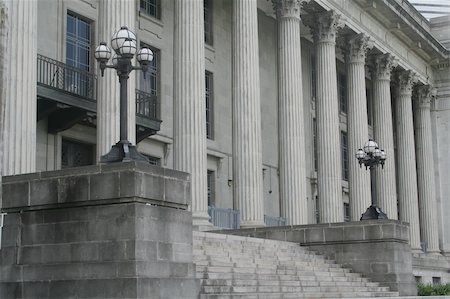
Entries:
{"x":123,"y":42}
{"x":371,"y":156}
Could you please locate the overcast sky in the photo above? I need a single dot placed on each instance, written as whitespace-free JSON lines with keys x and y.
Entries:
{"x":432,"y":8}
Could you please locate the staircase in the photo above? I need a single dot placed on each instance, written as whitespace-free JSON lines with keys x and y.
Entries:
{"x":241,"y":267}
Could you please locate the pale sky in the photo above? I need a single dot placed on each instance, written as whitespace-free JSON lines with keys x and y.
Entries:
{"x":432,"y":8}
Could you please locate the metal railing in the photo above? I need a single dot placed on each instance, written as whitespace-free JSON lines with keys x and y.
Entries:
{"x":57,"y":75}
{"x":224,"y":218}
{"x":146,"y":104}
{"x":274,"y":221}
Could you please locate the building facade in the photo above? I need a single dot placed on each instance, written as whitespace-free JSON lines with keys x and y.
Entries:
{"x":264,"y":102}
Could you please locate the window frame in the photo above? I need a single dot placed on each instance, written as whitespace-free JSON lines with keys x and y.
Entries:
{"x":344,"y":156}
{"x":209,"y":104}
{"x":208,"y":13}
{"x":146,"y":11}
{"x":79,"y":17}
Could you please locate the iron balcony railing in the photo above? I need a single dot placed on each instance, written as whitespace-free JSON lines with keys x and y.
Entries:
{"x":224,"y":218}
{"x":146,"y":104}
{"x":60,"y":76}
{"x":274,"y":221}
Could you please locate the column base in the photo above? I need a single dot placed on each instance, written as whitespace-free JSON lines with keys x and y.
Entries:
{"x":200,"y":221}
{"x":250,"y":224}
{"x":123,"y":151}
{"x":373,"y":212}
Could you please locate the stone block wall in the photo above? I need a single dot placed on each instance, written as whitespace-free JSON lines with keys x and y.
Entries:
{"x":98,"y":232}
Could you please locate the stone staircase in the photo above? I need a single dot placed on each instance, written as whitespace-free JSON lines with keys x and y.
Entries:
{"x":241,"y":267}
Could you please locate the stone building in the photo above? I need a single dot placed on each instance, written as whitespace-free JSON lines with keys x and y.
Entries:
{"x":263,"y":102}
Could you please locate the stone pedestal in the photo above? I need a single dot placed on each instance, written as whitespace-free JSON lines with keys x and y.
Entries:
{"x":114,"y":231}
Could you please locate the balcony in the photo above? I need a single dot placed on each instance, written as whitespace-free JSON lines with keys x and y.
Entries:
{"x":274,"y":221}
{"x":68,"y":95}
{"x":224,"y":218}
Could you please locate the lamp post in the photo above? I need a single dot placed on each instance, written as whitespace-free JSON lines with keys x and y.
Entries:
{"x":371,"y":156}
{"x":123,"y":42}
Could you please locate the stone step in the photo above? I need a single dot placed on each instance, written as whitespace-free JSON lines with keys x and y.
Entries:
{"x":241,"y":267}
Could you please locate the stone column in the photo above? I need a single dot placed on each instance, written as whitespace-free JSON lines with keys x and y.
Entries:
{"x":290,"y":114}
{"x":247,"y":152}
{"x":406,"y":155}
{"x":114,"y":14}
{"x":324,"y":27}
{"x":189,"y":103}
{"x":425,"y":169}
{"x":359,"y":179}
{"x":383,"y":133}
{"x":19,"y":146}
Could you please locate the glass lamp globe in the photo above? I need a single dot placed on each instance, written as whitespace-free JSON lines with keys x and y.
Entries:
{"x":115,"y":59}
{"x":128,"y":49}
{"x":377,"y":153}
{"x":370,"y":146}
{"x":383,"y":155}
{"x":360,"y":154}
{"x":120,"y":37}
{"x":102,"y":52}
{"x":144,"y":56}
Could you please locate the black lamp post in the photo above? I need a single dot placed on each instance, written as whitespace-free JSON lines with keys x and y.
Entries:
{"x":371,"y":157}
{"x":123,"y":43}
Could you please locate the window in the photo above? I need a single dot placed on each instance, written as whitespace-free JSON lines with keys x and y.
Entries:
{"x":75,"y":154}
{"x":211,"y":179}
{"x":342,"y":92}
{"x":418,"y":279}
{"x":344,"y":155}
{"x":148,"y":88}
{"x":315,"y":143}
{"x":151,"y":8}
{"x":317,"y":212}
{"x":150,"y":84}
{"x":208,"y":12}
{"x":436,"y":280}
{"x":369,"y":107}
{"x":346,"y":212}
{"x":153,"y":160}
{"x":78,"y":42}
{"x":313,"y":77}
{"x":209,"y":105}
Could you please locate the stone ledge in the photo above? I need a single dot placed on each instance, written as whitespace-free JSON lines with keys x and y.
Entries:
{"x":332,"y":233}
{"x":97,"y":185}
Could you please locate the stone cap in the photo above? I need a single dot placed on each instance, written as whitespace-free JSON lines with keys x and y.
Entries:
{"x":95,"y":185}
{"x":332,"y":233}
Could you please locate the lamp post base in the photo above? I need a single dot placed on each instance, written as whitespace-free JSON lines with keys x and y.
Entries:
{"x":123,"y":151}
{"x":373,"y":212}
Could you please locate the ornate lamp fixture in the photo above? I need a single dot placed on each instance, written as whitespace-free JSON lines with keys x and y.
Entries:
{"x":123,"y":42}
{"x":371,"y":156}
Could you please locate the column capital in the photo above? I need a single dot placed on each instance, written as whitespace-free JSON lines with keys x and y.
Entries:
{"x":382,"y":66}
{"x":357,"y":47}
{"x":288,"y":8}
{"x":406,"y":81}
{"x":424,"y":95}
{"x":324,"y":25}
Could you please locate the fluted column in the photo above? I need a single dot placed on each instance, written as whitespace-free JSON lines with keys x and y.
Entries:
{"x":325,"y":26}
{"x":425,"y":169}
{"x":247,"y":152}
{"x":189,"y":103}
{"x":383,"y":133}
{"x":290,"y":114}
{"x":359,"y":179}
{"x":19,"y":145}
{"x":406,"y":155}
{"x":114,"y":14}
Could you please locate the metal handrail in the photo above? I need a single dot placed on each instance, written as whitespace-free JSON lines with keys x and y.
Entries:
{"x":224,"y":218}
{"x":60,"y":76}
{"x":274,"y":221}
{"x":146,"y":104}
